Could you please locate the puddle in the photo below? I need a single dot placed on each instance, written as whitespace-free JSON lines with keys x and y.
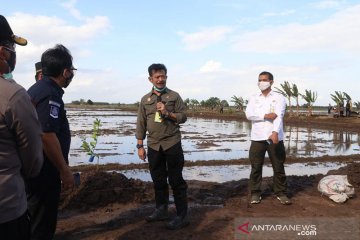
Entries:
{"x":222,"y":174}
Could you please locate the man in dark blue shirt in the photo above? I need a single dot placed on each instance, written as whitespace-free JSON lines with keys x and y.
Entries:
{"x":46,"y":95}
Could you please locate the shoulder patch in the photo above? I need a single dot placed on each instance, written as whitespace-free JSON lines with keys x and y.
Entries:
{"x":54,"y":109}
{"x":54,"y":103}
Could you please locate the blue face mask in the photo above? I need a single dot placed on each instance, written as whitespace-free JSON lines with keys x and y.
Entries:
{"x":8,"y":75}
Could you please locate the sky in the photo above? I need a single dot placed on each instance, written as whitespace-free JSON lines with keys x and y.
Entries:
{"x":211,"y":48}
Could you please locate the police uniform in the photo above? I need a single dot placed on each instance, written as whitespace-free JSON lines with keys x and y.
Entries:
{"x":44,"y":191}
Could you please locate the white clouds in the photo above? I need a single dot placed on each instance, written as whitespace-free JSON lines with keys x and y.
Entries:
{"x":327,"y":4}
{"x":204,"y":38}
{"x":211,"y":66}
{"x":70,"y":6}
{"x":340,"y":32}
{"x":47,"y":30}
{"x":283,"y":13}
{"x":43,"y":32}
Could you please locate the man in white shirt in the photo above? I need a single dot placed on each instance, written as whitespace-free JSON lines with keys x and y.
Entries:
{"x":266,"y":112}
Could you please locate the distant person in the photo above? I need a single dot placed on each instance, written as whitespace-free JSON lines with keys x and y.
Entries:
{"x":20,"y":142}
{"x":266,"y":112}
{"x":46,"y":95}
{"x":341,"y":110}
{"x":38,"y":73}
{"x":160,"y":113}
{"x":348,"y":108}
{"x":329,"y":108}
{"x":221,"y":108}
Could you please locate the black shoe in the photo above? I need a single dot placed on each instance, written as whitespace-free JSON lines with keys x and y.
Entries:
{"x":178,"y":222}
{"x":160,"y":214}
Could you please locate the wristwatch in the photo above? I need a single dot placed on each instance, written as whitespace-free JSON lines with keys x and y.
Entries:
{"x":138,"y":146}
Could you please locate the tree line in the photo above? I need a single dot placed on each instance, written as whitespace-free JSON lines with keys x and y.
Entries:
{"x":288,"y":90}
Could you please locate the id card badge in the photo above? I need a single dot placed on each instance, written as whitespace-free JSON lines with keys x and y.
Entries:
{"x":158,"y":117}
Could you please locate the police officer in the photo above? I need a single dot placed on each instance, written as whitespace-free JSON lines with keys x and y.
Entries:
{"x":20,"y":141}
{"x":160,"y":113}
{"x":38,"y":71}
{"x":46,"y":95}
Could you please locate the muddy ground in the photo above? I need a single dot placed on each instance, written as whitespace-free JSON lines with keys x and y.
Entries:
{"x":111,"y":206}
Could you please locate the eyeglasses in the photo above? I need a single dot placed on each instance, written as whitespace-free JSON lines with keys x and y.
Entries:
{"x":73,"y":69}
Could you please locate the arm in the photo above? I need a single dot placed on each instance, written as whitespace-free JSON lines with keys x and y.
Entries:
{"x":280,"y":112}
{"x":178,"y":115}
{"x":53,"y":152}
{"x":23,"y":121}
{"x":141,"y":131}
{"x":252,"y":112}
{"x":278,"y":121}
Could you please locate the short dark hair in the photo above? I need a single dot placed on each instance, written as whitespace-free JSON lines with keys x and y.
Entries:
{"x":271,"y":77}
{"x":156,"y":67}
{"x":55,"y":60}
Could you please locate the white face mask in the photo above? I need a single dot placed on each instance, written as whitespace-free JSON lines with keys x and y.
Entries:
{"x":264,"y":85}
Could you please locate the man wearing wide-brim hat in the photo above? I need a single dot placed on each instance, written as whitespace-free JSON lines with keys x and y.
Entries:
{"x":20,"y":141}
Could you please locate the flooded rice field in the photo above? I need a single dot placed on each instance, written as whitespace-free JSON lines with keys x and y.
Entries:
{"x":227,"y":173}
{"x":205,"y":139}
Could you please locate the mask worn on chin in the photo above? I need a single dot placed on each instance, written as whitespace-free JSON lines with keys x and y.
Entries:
{"x":264,"y":85}
{"x":11,"y":62}
{"x":8,"y":75}
{"x":160,"y":90}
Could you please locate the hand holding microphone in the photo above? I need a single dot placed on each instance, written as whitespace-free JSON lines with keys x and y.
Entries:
{"x":160,"y":106}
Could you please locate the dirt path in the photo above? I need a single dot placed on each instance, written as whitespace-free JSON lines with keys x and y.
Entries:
{"x":119,"y":209}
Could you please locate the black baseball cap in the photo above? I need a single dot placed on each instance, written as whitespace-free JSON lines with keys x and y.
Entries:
{"x":38,"y":67}
{"x":6,"y":34}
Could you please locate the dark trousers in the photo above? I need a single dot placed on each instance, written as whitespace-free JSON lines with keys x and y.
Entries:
{"x":165,"y":165}
{"x":18,"y":229}
{"x":277,"y":157}
{"x":347,"y":112}
{"x":43,"y":209}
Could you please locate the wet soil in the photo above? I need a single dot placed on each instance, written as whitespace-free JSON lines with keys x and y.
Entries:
{"x":107,"y":205}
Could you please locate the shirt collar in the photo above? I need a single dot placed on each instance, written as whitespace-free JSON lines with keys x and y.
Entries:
{"x":152,"y":92}
{"x":53,"y":84}
{"x":270,"y":93}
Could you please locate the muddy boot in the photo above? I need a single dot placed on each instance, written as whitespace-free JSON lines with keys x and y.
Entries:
{"x":160,"y":214}
{"x":178,"y":222}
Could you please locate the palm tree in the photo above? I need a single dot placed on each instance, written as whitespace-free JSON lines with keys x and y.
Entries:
{"x":212,"y":102}
{"x":194,"y":103}
{"x":357,"y":105}
{"x":187,"y":102}
{"x":339,"y":98}
{"x":310,"y":97}
{"x":239,"y":102}
{"x":346,"y":96}
{"x":286,"y":91}
{"x":296,"y":94}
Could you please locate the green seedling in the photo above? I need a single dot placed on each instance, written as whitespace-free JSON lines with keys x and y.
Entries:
{"x":90,"y":146}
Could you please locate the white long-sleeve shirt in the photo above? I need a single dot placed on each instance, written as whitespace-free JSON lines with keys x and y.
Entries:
{"x":258,"y":106}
